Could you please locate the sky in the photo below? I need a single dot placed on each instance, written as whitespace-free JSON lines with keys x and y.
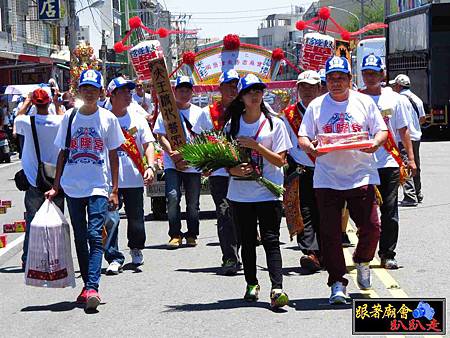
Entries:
{"x":219,"y":18}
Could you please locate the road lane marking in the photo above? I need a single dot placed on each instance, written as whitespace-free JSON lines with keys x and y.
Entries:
{"x":9,"y":164}
{"x":388,"y":281}
{"x":11,"y":245}
{"x":371,"y":293}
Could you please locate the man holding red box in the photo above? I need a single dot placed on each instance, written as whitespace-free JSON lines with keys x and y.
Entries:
{"x":347,"y":175}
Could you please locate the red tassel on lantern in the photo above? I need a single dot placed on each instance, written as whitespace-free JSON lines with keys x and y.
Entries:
{"x":324,"y":13}
{"x":300,"y":25}
{"x":189,"y":58}
{"x":162,"y":32}
{"x":119,"y":47}
{"x":231,"y":42}
{"x":277,"y":54}
{"x":135,"y":22}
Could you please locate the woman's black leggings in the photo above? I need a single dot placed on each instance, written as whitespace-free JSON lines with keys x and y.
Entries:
{"x":246,"y":216}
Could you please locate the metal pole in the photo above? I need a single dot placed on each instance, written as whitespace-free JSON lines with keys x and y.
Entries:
{"x":387,"y":8}
{"x":127,"y":26}
{"x":362,"y":14}
{"x":103,"y":57}
{"x":72,"y":18}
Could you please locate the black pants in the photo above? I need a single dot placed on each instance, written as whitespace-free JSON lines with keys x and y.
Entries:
{"x":390,"y":181}
{"x":225,"y":227}
{"x":246,"y":217}
{"x":308,"y":240}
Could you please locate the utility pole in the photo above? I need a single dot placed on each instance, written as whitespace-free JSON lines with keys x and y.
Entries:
{"x":104,"y":50}
{"x":387,"y":8}
{"x":72,"y":23}
{"x":362,"y":13}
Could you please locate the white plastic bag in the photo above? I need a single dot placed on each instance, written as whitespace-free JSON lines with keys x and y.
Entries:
{"x":49,"y":261}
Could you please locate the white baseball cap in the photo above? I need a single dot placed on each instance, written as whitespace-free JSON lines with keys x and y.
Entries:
{"x":309,"y":76}
{"x":402,"y":80}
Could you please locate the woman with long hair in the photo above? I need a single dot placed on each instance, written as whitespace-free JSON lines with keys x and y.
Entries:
{"x":264,"y":140}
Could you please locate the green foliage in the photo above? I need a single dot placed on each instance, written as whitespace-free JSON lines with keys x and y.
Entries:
{"x":373,"y":12}
{"x":211,"y":150}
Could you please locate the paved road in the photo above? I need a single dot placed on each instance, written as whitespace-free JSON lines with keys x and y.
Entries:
{"x":180,"y":292}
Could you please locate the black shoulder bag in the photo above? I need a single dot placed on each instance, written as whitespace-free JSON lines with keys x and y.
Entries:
{"x":69,"y":136}
{"x":43,"y":182}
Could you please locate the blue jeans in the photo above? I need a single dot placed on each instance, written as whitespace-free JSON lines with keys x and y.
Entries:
{"x":133,"y":199}
{"x":88,"y":231}
{"x":112,"y":252}
{"x":34,"y":199}
{"x":192,"y":185}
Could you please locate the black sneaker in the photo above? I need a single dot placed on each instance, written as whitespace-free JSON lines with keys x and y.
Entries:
{"x":229,"y":268}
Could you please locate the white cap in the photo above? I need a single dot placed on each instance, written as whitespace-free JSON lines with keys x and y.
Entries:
{"x":309,"y":76}
{"x":402,"y":80}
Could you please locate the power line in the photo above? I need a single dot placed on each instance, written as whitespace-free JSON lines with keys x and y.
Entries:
{"x":241,"y":11}
{"x":237,"y":17}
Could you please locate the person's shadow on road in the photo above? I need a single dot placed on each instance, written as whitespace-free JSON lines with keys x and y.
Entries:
{"x":227,"y":304}
{"x":56,"y":307}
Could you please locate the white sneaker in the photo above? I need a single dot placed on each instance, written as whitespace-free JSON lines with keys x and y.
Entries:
{"x":114,"y":268}
{"x":338,"y":294}
{"x":363,"y":276}
{"x":137,"y":258}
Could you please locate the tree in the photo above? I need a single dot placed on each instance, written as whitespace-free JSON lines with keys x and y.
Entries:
{"x":373,"y":12}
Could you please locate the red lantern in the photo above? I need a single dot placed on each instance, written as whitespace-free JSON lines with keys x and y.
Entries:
{"x":119,"y":47}
{"x":324,"y":13}
{"x":277,"y":54}
{"x":189,"y":58}
{"x":231,"y":42}
{"x":135,"y":22}
{"x":300,"y":25}
{"x":162,"y":32}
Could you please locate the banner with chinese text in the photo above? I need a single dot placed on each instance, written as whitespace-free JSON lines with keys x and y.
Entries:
{"x":248,"y":59}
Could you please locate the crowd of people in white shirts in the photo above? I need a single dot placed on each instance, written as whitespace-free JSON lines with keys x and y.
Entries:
{"x":103,"y":151}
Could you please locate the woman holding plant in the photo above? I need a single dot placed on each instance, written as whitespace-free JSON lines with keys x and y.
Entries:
{"x":264,"y":141}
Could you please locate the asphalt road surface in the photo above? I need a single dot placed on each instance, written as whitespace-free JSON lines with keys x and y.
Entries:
{"x":181,"y":293}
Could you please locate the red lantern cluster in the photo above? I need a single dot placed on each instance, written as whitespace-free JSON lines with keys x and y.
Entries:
{"x":231,"y":42}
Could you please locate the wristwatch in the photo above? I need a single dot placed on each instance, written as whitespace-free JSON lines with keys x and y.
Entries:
{"x":152,"y":167}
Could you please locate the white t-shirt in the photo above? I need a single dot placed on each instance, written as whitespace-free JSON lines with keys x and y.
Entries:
{"x":133,"y":105}
{"x":414,"y":123}
{"x":276,"y":140}
{"x":92,"y":136}
{"x":33,"y":110}
{"x":394,"y":110}
{"x":136,"y":125}
{"x":46,"y":128}
{"x":147,"y":98}
{"x":296,"y":153}
{"x":204,"y":123}
{"x":344,"y":169}
{"x":191,"y":114}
